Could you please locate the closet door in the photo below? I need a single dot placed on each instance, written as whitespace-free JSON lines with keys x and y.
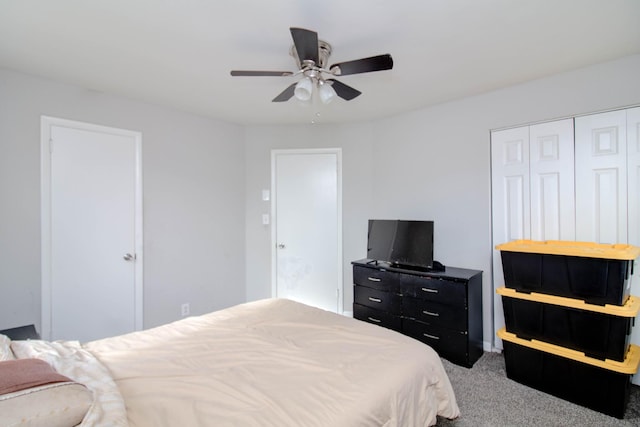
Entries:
{"x":601,"y":177}
{"x":633,"y":174}
{"x":608,"y":184}
{"x":552,"y":180}
{"x":532,"y":189}
{"x":510,"y":199}
{"x":510,"y":184}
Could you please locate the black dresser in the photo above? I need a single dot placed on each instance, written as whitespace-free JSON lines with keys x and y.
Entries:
{"x":441,"y":309}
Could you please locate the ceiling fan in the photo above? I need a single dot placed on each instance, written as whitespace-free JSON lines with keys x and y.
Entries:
{"x":311,"y":57}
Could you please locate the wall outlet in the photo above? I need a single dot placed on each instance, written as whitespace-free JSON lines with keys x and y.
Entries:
{"x":185,"y":309}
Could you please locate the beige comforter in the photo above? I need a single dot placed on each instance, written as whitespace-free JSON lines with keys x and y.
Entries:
{"x":276,"y":363}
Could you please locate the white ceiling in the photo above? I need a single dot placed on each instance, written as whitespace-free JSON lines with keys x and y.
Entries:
{"x":179,"y":53}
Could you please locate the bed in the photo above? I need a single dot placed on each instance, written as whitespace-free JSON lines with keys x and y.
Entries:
{"x":272,"y":362}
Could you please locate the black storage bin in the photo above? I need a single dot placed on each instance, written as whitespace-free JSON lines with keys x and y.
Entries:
{"x":601,"y":388}
{"x":597,"y":274}
{"x":601,"y":335}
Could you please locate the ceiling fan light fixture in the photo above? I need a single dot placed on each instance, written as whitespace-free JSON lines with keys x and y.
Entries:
{"x":326,"y":92}
{"x":304,"y":89}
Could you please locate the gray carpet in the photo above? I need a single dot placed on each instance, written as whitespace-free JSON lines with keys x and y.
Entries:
{"x":486,"y":397}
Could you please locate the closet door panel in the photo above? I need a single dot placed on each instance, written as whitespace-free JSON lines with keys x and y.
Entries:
{"x":510,"y":184}
{"x":551,"y":163}
{"x":601,"y":177}
{"x":633,"y":174}
{"x":633,"y":166}
{"x":510,"y":199}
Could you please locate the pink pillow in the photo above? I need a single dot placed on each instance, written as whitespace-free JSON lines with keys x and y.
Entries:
{"x":20,"y":374}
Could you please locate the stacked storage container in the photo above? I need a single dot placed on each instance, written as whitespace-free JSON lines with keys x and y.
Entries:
{"x":568,"y":314}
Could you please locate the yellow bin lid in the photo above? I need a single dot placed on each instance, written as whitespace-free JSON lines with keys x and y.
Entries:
{"x":617,"y":251}
{"x":629,"y":366}
{"x":629,"y":309}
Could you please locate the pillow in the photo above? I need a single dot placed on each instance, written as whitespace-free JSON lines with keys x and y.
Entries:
{"x":33,"y":394}
{"x":51,"y":405}
{"x":5,"y":348}
{"x":20,"y":374}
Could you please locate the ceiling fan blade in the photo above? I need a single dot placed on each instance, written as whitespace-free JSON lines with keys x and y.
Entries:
{"x":261,"y":73}
{"x":344,"y":91}
{"x":306,"y":43}
{"x":364,"y":65}
{"x":286,"y":94}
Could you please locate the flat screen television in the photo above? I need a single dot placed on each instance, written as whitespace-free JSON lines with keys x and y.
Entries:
{"x":401,"y":243}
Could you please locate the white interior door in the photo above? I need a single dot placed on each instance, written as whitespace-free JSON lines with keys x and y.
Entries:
{"x":307,"y":227}
{"x":92,"y":240}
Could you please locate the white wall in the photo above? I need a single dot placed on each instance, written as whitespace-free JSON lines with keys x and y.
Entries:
{"x":429,"y":164}
{"x":193,"y":189}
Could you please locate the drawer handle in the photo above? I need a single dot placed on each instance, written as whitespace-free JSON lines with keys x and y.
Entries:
{"x":375,"y":299}
{"x":374,"y":319}
{"x":433,"y":291}
{"x":430,"y":313}
{"x":374,"y":279}
{"x":431,"y":336}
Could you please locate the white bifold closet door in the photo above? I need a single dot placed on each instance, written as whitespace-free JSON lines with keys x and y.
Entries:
{"x":601,"y":175}
{"x":633,"y":201}
{"x":532,"y":189}
{"x":608,"y":184}
{"x":552,"y":182}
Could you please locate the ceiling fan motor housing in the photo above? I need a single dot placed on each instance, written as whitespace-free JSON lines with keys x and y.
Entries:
{"x":324,"y":52}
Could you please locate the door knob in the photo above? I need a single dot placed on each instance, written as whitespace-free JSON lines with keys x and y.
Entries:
{"x":129,"y":257}
{"x":281,"y":246}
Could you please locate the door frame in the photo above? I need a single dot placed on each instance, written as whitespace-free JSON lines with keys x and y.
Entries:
{"x":274,"y":195}
{"x":46,"y":123}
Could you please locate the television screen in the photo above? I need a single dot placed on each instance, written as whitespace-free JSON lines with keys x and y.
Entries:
{"x":381,"y":234}
{"x":401,"y":243}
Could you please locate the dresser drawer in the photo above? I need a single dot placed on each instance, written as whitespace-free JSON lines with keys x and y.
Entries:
{"x":378,"y":279}
{"x":434,"y":313}
{"x":447,"y":342}
{"x":377,"y":317}
{"x":380,"y":300}
{"x":434,"y":289}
